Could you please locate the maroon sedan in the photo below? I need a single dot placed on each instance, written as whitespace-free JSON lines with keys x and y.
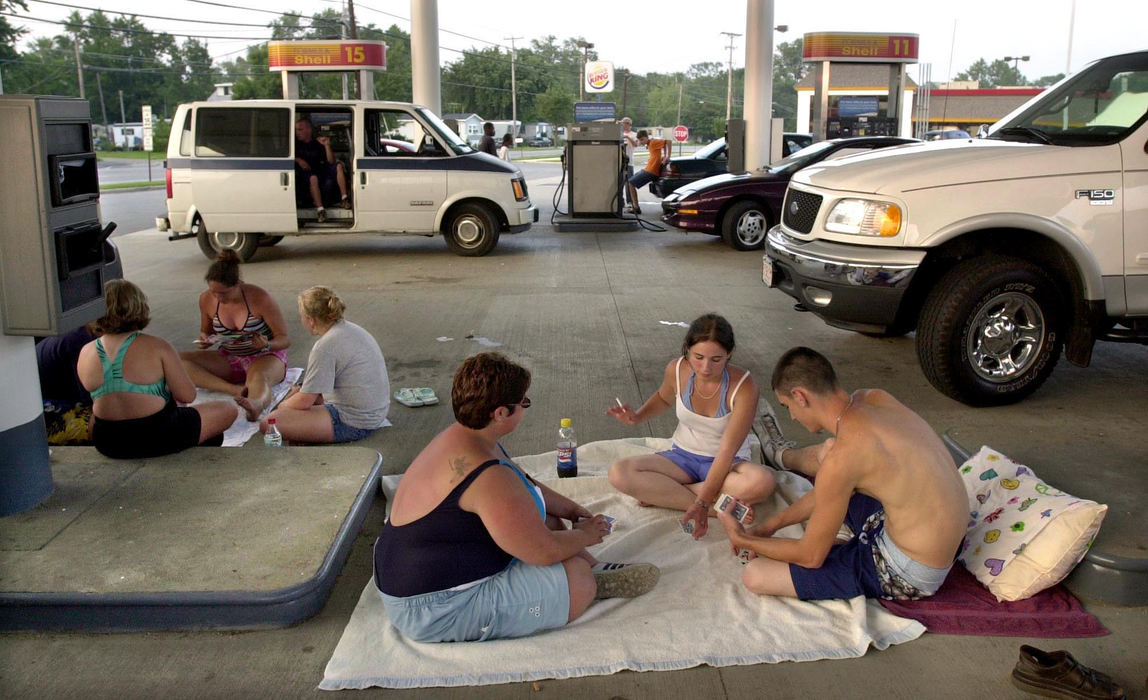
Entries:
{"x":742,"y":207}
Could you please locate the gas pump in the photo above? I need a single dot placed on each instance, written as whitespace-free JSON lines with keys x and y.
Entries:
{"x":55,"y":257}
{"x":593,"y":163}
{"x":860,"y":113}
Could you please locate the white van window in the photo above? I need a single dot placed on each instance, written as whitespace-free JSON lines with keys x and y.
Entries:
{"x":453,"y":140}
{"x":185,"y":135}
{"x":243,"y":132}
{"x":393,"y":132}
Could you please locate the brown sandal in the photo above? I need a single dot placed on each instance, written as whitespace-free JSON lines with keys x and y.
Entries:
{"x":1055,"y":674}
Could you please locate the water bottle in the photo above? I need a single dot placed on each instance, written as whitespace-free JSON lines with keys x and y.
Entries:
{"x":272,"y":438}
{"x":567,"y":450}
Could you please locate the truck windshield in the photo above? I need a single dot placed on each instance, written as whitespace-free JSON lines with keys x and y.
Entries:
{"x":1098,"y":106}
{"x":453,"y":140}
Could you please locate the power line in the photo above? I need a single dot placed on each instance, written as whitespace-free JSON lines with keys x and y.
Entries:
{"x":136,"y":14}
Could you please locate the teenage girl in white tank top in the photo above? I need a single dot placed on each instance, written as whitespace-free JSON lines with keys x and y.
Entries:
{"x":715,"y":403}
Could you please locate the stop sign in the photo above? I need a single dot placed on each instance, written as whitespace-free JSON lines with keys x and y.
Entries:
{"x":681,"y":133}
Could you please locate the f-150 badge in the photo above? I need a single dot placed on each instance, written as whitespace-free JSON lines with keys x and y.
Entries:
{"x":1097,"y":198}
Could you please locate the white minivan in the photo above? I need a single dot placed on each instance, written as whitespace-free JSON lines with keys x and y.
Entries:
{"x":231,"y":177}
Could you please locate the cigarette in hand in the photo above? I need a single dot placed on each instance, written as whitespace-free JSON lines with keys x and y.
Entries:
{"x":619,"y":402}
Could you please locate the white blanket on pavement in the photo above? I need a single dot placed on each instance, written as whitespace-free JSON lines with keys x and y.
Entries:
{"x":242,"y":429}
{"x":700,"y":613}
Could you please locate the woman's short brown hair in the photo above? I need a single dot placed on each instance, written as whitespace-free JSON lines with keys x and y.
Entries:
{"x":483,"y":383}
{"x":322,"y":304}
{"x":126,"y":308}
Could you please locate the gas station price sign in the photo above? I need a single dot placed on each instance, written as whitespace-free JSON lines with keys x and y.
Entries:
{"x":860,"y":47}
{"x":326,"y":55}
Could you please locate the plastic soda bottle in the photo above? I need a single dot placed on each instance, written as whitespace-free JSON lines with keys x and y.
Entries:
{"x":567,"y":449}
{"x":272,"y":438}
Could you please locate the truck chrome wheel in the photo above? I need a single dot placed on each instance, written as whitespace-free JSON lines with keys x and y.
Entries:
{"x":471,"y":230}
{"x":1006,"y":337}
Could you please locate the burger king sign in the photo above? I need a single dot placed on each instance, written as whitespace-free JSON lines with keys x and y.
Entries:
{"x":599,"y":76}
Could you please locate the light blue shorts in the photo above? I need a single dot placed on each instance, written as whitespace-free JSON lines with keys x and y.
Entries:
{"x":518,"y":601}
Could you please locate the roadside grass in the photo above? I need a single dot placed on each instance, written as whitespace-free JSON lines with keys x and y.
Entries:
{"x":131,"y":185}
{"x":127,"y":155}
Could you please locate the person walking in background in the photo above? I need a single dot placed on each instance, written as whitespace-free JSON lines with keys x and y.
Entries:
{"x":135,"y":381}
{"x":345,"y":392}
{"x":659,"y":155}
{"x":504,"y":149}
{"x":486,"y":143}
{"x":629,"y":142}
{"x":252,"y":337}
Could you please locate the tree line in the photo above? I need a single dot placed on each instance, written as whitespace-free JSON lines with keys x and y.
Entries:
{"x":120,"y":56}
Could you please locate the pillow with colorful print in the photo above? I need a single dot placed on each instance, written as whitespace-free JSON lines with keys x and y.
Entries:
{"x":1023,"y":535}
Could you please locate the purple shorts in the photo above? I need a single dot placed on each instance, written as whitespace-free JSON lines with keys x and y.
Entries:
{"x":694,"y":465}
{"x":240,"y":363}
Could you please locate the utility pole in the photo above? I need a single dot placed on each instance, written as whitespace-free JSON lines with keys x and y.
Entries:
{"x":351,"y":16}
{"x":513,"y":95}
{"x":729,"y":76}
{"x":123,"y":119}
{"x":103,"y":109}
{"x":79,"y":65}
{"x":343,"y":32}
{"x":585,"y":46}
{"x":625,"y":85}
{"x":679,"y":121}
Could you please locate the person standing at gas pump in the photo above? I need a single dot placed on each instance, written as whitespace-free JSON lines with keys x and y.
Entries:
{"x":659,"y":155}
{"x":629,"y":142}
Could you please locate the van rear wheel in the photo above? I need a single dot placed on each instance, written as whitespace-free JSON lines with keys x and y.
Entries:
{"x":212,"y":243}
{"x":472,"y":231}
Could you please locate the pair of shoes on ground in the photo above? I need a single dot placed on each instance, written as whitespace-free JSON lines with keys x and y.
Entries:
{"x":1055,"y":674}
{"x":624,"y":580}
{"x":418,"y":396}
{"x":777,"y":444}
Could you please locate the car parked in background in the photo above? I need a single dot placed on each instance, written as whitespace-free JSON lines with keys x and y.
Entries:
{"x":742,"y":207}
{"x":712,"y":160}
{"x":540,"y":142}
{"x":946,"y":134}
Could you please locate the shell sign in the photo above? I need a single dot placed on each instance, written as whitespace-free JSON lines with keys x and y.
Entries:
{"x":599,"y":76}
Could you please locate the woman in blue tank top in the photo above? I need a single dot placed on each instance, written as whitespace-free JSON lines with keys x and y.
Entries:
{"x":475,"y":549}
{"x":135,"y":381}
{"x":715,"y":404}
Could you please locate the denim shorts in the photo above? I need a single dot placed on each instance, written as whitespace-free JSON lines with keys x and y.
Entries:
{"x":642,"y":177}
{"x":694,"y":465}
{"x":518,"y":601}
{"x":851,"y":569}
{"x":344,"y":432}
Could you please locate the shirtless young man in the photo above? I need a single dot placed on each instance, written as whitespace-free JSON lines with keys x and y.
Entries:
{"x":885,"y":474}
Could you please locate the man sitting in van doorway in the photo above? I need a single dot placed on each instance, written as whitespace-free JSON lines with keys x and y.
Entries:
{"x":316,"y":169}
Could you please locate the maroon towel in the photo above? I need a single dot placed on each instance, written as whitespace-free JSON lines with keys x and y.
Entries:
{"x":964,"y":606}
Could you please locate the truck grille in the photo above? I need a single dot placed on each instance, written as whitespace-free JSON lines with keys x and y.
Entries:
{"x":800,"y":210}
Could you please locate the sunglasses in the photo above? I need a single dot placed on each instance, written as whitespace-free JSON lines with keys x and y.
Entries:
{"x":525,"y":403}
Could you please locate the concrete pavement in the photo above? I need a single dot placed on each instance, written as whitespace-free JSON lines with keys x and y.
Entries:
{"x":584,"y":312}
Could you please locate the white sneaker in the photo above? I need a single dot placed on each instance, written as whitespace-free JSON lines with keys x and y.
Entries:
{"x":777,"y":444}
{"x":624,"y":580}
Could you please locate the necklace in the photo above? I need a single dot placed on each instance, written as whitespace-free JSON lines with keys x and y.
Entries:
{"x":695,"y":392}
{"x":837,"y":427}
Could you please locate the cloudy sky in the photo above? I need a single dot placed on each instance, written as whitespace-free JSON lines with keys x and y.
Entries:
{"x":671,"y":35}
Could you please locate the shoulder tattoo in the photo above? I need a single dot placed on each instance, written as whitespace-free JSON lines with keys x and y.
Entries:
{"x":458,"y":466}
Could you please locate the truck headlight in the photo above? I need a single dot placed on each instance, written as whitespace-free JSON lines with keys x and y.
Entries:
{"x":865,"y":218}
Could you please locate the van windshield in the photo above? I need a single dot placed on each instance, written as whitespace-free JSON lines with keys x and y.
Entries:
{"x":444,"y":132}
{"x":1098,"y":106}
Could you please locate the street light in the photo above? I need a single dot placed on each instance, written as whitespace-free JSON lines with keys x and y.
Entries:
{"x":585,"y":46}
{"x":1015,"y":60}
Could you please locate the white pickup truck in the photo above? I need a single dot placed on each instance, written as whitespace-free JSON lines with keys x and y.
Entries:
{"x":1000,"y":251}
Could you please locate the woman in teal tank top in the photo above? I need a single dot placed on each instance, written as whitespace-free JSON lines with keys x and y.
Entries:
{"x":136,"y":379}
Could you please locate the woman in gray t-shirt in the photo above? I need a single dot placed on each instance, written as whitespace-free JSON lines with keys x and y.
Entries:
{"x":345,"y":392}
